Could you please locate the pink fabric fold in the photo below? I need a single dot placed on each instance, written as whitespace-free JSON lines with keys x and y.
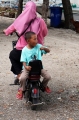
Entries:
{"x":23,"y":20}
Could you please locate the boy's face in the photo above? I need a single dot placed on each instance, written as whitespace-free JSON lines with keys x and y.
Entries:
{"x":33,"y":41}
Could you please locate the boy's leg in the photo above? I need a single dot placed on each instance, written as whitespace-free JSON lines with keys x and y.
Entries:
{"x":22,"y":79}
{"x":46,"y":79}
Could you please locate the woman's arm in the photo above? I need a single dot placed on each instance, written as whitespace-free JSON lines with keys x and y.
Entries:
{"x":9,"y":30}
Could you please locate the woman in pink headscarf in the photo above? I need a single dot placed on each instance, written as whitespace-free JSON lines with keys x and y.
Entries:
{"x":20,"y":24}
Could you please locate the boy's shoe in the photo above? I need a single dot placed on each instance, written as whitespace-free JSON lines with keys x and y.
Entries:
{"x":47,"y":89}
{"x":19,"y":95}
{"x":16,"y":82}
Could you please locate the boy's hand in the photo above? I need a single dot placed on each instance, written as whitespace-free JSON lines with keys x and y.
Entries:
{"x":42,"y":48}
{"x":45,"y":49}
{"x":28,"y":68}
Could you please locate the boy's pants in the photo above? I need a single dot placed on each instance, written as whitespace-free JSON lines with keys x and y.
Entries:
{"x":24,"y":76}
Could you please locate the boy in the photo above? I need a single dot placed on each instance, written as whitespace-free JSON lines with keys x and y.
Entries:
{"x":32,"y":49}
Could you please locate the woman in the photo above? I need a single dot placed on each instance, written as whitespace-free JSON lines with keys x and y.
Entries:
{"x":27,"y":18}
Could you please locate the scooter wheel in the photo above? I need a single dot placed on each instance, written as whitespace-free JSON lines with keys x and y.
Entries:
{"x":35,"y":102}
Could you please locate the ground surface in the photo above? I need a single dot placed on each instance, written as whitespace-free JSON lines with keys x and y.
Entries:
{"x":63,"y":65}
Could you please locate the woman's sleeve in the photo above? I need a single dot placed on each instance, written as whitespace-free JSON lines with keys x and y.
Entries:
{"x":9,"y":30}
{"x":44,"y":28}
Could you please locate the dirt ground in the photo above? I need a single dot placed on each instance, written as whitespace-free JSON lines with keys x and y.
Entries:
{"x":63,"y":65}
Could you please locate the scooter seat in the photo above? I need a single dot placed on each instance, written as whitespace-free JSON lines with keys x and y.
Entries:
{"x":34,"y":77}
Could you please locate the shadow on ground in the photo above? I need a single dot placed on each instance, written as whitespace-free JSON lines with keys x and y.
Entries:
{"x":66,"y":99}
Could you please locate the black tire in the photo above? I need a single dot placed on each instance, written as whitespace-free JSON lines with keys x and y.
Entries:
{"x":35,"y":101}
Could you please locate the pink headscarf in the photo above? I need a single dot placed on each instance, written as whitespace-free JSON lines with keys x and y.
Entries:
{"x":23,"y":20}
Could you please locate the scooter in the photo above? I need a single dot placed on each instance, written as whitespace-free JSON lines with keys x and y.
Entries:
{"x":34,"y":85}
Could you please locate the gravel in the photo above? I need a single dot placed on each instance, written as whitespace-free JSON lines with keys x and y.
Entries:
{"x":63,"y":65}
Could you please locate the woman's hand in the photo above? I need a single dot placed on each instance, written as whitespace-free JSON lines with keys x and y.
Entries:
{"x":4,"y":31}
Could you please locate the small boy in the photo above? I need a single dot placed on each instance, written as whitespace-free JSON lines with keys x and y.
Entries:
{"x":32,"y":49}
